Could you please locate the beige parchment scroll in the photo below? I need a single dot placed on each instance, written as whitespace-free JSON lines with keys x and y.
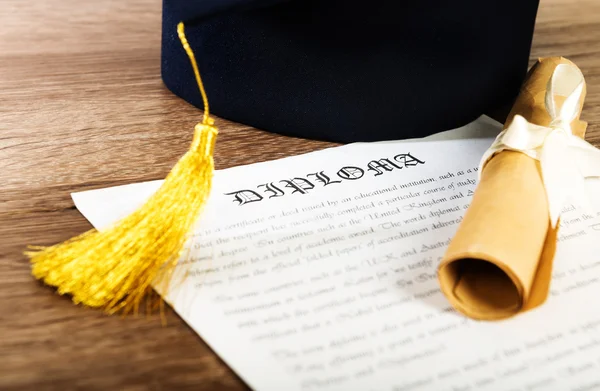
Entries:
{"x":499,"y":263}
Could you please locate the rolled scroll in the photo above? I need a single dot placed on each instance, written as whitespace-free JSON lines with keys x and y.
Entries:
{"x":499,"y":263}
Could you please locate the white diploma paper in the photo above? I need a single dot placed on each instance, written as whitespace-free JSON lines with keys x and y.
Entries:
{"x":318,"y":272}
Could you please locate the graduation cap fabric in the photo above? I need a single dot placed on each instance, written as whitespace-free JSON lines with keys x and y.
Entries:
{"x":350,"y":70}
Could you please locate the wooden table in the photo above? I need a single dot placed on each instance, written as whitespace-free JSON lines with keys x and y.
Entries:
{"x":82,"y":106}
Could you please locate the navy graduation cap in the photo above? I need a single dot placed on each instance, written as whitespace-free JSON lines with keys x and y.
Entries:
{"x":350,"y":70}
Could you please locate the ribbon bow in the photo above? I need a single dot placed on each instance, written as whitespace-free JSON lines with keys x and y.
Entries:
{"x":566,"y":161}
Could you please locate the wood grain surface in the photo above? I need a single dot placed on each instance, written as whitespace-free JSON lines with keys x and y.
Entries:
{"x":82,"y":106}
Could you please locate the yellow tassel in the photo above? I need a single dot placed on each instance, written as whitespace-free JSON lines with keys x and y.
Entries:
{"x":113,"y":269}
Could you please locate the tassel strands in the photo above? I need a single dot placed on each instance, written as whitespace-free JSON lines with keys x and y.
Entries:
{"x":114,"y":269}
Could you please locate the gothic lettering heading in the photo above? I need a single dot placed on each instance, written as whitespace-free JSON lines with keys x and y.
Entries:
{"x":320,"y":179}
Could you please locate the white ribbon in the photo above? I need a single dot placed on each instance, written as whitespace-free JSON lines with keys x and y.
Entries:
{"x":566,"y":160}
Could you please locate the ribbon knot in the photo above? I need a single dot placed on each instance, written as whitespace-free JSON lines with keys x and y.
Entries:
{"x":560,"y":125}
{"x":568,"y":163}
